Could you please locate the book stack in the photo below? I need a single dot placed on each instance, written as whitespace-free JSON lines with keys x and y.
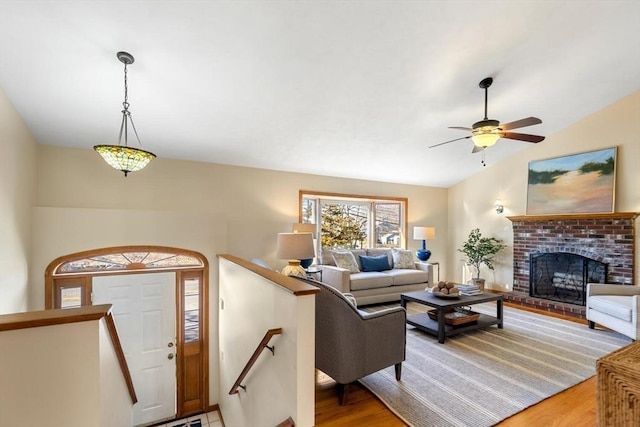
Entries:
{"x":469,"y":290}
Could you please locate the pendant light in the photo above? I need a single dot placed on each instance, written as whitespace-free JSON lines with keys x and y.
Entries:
{"x":122,"y":157}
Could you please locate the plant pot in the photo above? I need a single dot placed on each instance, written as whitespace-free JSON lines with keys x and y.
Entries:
{"x":479,"y":283}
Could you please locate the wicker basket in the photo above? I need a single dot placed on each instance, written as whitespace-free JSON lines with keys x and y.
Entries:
{"x":455,"y":318}
{"x":618,"y":391}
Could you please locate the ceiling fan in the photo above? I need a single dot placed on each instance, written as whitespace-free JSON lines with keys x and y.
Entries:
{"x":487,"y":132}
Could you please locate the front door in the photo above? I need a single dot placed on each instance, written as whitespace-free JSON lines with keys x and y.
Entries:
{"x":144,"y":309}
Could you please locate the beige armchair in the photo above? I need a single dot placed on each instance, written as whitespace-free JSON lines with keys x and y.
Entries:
{"x":616,"y":307}
{"x":351,"y":343}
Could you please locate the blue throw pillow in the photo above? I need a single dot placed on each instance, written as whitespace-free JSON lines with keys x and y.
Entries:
{"x":375,"y":263}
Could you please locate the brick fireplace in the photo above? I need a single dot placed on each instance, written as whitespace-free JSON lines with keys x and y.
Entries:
{"x":604,"y":238}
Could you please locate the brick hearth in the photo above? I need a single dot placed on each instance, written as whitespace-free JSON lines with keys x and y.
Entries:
{"x":607,"y":238}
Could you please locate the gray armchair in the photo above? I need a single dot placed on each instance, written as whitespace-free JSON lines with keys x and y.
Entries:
{"x":615,"y":306}
{"x":351,"y":343}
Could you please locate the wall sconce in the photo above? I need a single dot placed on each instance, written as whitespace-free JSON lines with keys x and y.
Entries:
{"x":499,"y":206}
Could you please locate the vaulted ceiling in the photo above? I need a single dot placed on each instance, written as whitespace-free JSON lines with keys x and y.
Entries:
{"x":355,"y":89}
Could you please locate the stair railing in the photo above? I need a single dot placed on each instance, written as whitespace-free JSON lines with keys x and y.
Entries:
{"x":254,"y":357}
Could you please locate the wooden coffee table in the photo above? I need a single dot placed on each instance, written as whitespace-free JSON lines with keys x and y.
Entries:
{"x":438,"y":327}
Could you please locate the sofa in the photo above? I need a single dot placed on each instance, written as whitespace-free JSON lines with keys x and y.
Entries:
{"x":375,"y":281}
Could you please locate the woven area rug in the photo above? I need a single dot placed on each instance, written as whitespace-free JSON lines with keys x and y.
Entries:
{"x":481,"y":377}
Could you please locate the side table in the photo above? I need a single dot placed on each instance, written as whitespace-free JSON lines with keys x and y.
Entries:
{"x":314,"y":273}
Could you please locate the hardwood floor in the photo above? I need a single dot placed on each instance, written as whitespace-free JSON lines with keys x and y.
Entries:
{"x":575,"y":406}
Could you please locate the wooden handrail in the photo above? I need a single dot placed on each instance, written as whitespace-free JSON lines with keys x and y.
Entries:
{"x":254,"y":357}
{"x":35,"y":319}
{"x":113,"y":333}
{"x":287,"y":283}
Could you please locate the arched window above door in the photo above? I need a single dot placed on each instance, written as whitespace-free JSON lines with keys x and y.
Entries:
{"x":68,"y":278}
{"x":128,"y":260}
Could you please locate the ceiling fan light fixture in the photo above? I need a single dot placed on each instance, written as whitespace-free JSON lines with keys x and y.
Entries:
{"x":487,"y":132}
{"x":122,"y":157}
{"x":485,"y":139}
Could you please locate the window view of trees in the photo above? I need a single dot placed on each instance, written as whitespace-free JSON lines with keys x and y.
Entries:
{"x":354,"y":223}
{"x":344,"y":226}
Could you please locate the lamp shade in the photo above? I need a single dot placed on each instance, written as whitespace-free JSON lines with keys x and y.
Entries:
{"x":424,"y":233}
{"x":295,"y":246}
{"x":123,"y":158}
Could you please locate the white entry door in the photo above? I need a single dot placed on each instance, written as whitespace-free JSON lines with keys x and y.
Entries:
{"x":144,"y":309}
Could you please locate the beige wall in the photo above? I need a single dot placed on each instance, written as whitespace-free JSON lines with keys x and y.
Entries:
{"x":471,"y":201}
{"x":17,"y":196}
{"x":50,"y":381}
{"x":279,"y":385}
{"x":255,"y":204}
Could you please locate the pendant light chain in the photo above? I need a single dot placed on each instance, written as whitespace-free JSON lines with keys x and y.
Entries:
{"x":126,"y":89}
{"x":126,"y":114}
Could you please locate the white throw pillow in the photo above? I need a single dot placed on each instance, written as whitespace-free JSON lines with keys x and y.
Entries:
{"x":346,"y":260}
{"x":403,"y":259}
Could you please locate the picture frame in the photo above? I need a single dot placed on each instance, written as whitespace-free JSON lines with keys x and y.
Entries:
{"x":577,"y":183}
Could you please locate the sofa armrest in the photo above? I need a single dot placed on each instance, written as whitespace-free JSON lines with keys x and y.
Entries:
{"x":385,"y":312}
{"x":339,"y":278}
{"x":429,"y":269}
{"x":605,"y":289}
{"x":384,"y":334}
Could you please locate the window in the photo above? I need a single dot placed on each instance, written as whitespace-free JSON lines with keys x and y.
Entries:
{"x":354,"y":222}
{"x":191,"y":304}
{"x":134,"y":260}
{"x":68,"y":278}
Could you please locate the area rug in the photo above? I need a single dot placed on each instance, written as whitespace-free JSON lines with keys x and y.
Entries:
{"x":481,"y":377}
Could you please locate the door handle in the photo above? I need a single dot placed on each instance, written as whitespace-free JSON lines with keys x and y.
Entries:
{"x":170,"y":356}
{"x":170,"y":345}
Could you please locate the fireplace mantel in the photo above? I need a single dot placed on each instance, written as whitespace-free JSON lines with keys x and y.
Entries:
{"x":613,"y":215}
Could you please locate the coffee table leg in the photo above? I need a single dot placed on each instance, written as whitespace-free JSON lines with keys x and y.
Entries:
{"x":499,"y":308}
{"x":440,"y":325}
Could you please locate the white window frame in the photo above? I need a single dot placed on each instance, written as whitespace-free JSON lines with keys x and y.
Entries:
{"x":322,"y":198}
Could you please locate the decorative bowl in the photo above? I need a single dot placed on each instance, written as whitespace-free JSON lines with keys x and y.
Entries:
{"x":445,"y":296}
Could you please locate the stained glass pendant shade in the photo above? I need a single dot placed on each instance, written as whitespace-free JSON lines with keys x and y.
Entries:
{"x":122,"y":157}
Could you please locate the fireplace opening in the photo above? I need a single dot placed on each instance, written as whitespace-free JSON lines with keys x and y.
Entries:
{"x":563,"y":276}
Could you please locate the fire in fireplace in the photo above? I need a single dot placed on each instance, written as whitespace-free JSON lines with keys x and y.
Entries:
{"x":563,"y":276}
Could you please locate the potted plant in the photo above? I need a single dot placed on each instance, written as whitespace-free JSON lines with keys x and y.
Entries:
{"x":480,"y":250}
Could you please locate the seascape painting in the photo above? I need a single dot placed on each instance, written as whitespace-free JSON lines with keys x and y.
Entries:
{"x":579,"y":183}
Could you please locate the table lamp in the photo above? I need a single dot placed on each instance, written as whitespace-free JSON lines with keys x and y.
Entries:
{"x":424,"y":234}
{"x":294,"y":247}
{"x":306,"y":227}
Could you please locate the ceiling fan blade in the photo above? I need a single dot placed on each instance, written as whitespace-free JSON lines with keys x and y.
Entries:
{"x":476,"y":149}
{"x":446,"y":142}
{"x":523,"y":137}
{"x":460,"y":127}
{"x":529,"y":121}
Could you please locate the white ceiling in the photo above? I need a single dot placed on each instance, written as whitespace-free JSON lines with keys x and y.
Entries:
{"x":355,"y":89}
